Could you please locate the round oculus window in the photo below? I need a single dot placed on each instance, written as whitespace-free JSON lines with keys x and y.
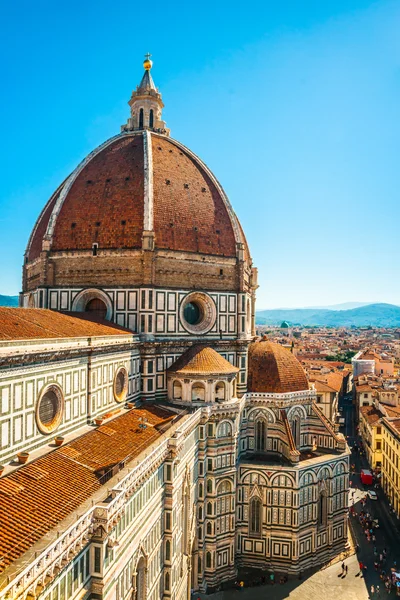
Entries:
{"x":50,"y":408}
{"x":198,"y":313}
{"x":121,"y":384}
{"x":192,"y":313}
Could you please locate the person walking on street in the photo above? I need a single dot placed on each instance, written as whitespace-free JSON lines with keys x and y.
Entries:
{"x":372,"y":590}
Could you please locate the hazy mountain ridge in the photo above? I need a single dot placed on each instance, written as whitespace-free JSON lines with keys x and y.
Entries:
{"x":8,"y":300}
{"x":376,"y":315}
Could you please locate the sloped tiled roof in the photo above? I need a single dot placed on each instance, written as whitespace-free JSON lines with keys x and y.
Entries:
{"x":273,"y":369}
{"x":370,"y":414}
{"x":322,"y":386}
{"x":42,"y":323}
{"x":38,"y":496}
{"x":202,"y":360}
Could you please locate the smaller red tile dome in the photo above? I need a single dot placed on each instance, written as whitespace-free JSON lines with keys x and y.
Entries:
{"x":272,"y":369}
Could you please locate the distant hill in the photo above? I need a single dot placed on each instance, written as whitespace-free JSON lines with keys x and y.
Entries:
{"x":343,"y":306}
{"x":376,"y":315}
{"x":8,"y":300}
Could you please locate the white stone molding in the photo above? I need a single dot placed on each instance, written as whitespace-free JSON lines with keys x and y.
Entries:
{"x":297,"y":411}
{"x":239,"y":237}
{"x":148,"y":223}
{"x":263,"y":413}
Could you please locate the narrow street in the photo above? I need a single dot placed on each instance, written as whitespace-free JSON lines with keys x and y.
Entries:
{"x":329,"y":582}
{"x":388,"y":533}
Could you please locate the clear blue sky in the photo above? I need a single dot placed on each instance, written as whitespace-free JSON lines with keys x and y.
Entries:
{"x":294,"y":104}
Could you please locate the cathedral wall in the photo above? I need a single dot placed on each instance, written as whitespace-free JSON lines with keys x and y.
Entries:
{"x":157,"y":316}
{"x":156,"y":312}
{"x":120,"y":267}
{"x":84,"y":386}
{"x":158,"y":357}
{"x":148,"y":552}
{"x":302,"y":514}
{"x":216,"y":495}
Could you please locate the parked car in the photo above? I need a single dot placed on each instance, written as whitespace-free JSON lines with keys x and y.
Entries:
{"x":372,"y":495}
{"x":366,"y":477}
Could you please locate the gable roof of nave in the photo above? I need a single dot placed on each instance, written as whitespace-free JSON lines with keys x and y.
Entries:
{"x":43,"y":323}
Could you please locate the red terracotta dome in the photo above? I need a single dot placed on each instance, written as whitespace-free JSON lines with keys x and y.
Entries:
{"x":273,"y":369}
{"x":139,"y":181}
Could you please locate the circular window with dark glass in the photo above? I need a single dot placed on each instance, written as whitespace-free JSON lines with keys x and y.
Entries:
{"x":197,"y":313}
{"x":121,"y":384}
{"x":49,"y":409}
{"x":192,"y":313}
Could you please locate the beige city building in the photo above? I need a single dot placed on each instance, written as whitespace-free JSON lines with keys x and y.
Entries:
{"x":390,"y":465}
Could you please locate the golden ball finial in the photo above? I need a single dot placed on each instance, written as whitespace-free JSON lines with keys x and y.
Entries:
{"x":147,"y":63}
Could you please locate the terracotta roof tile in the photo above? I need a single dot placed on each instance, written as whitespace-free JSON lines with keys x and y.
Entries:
{"x":190,"y":201}
{"x":370,"y":414}
{"x":37,"y":496}
{"x":42,"y":323}
{"x":322,"y":386}
{"x":273,"y":369}
{"x":202,"y":360}
{"x":106,"y":200}
{"x":105,"y":204}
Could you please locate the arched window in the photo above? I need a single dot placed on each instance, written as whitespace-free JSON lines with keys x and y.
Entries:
{"x":208,"y":560}
{"x":177,"y":390}
{"x":260,"y":435}
{"x":186,"y":519}
{"x":224,"y":429}
{"x":96,"y":308}
{"x":168,"y":550}
{"x":296,"y":430}
{"x":141,"y":118}
{"x":224,"y":498}
{"x":220,"y":390}
{"x":209,"y":486}
{"x":200,"y":490}
{"x":141,"y":579}
{"x":255,"y":516}
{"x":200,"y":513}
{"x":151,"y":118}
{"x":322,"y":510}
{"x":248,"y":315}
{"x":198,"y":392}
{"x":167,"y":581}
{"x":209,"y":528}
{"x":209,"y":508}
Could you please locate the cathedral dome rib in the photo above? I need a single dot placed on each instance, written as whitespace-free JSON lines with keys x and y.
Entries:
{"x":273,"y":369}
